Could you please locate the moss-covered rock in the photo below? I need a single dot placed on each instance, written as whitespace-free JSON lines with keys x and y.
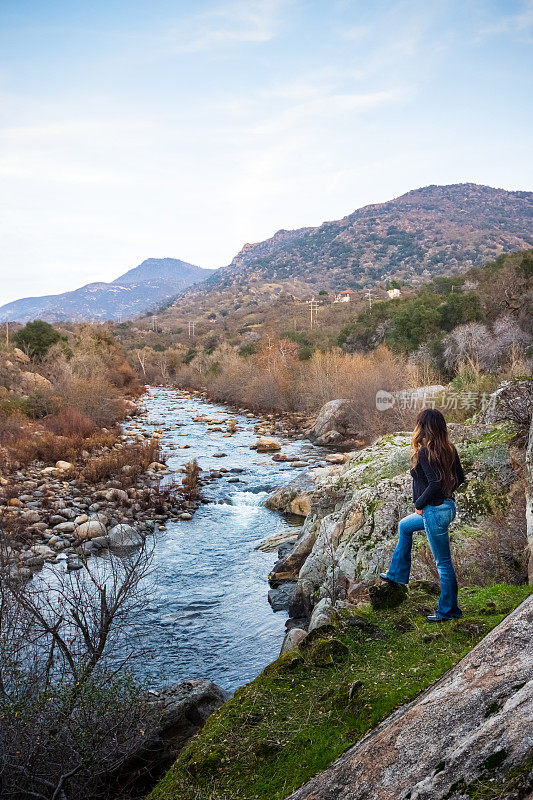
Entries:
{"x":387,"y":595}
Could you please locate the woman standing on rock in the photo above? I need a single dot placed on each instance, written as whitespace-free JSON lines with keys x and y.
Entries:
{"x":437,"y":472}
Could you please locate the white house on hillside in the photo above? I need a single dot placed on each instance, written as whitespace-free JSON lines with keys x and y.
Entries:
{"x":344,"y":297}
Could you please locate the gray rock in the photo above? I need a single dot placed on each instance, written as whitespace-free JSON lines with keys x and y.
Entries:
{"x":65,"y":527}
{"x":281,"y":596}
{"x":57,"y":519}
{"x":294,"y":497}
{"x":124,"y":536}
{"x":292,"y":639}
{"x":30,"y":517}
{"x":512,"y":401}
{"x":183,"y":709}
{"x":323,"y":614}
{"x":485,"y":706}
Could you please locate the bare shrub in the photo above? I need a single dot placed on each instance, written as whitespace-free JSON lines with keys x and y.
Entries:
{"x":190,"y":483}
{"x":47,"y":447}
{"x":72,"y":716}
{"x":12,"y":427}
{"x":137,"y":457}
{"x":475,"y":346}
{"x":94,"y":397}
{"x":70,"y":422}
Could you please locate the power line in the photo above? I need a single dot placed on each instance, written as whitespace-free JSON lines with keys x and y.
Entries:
{"x":313,"y":309}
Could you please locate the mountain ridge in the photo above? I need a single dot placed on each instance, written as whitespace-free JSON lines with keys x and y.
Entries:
{"x":470,"y":224}
{"x":137,"y":291}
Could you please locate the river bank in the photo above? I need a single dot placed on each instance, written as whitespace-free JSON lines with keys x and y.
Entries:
{"x":207,"y":612}
{"x":358,"y":650}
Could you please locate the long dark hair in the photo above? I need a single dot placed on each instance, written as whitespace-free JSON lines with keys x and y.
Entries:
{"x":431,"y":432}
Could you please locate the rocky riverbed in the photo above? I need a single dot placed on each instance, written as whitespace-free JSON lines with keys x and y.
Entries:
{"x":207,"y":611}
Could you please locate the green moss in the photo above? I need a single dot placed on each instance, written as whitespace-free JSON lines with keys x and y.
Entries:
{"x":300,"y":714}
{"x":483,"y":496}
{"x":492,"y":446}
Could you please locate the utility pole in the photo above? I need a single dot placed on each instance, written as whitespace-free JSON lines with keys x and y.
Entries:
{"x":7,"y":333}
{"x":369,"y":292}
{"x":154,"y":322}
{"x":191,"y":329}
{"x":313,"y":309}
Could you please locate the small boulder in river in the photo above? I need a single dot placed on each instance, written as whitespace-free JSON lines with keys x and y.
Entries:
{"x":265,"y":445}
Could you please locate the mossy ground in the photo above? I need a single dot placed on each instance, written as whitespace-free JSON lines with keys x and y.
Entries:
{"x":308,"y":707}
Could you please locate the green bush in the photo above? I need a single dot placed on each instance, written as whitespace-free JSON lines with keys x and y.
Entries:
{"x":37,"y":337}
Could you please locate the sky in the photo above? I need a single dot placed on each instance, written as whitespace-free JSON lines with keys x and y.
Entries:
{"x":132,"y":129}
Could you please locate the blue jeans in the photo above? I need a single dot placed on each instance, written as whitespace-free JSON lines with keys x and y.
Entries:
{"x":435,"y":521}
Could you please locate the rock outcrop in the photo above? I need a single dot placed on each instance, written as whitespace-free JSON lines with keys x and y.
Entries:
{"x":470,"y":730}
{"x":179,"y":711}
{"x":512,"y":401}
{"x":351,"y":528}
{"x":529,"y":502}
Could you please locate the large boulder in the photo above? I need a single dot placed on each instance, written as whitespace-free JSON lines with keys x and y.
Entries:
{"x":32,"y":381}
{"x":294,"y":497}
{"x":122,"y":536}
{"x":336,"y":425}
{"x":485,"y":706}
{"x":90,"y":529}
{"x":19,"y":356}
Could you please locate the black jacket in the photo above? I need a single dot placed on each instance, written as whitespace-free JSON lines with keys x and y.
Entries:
{"x":427,"y":488}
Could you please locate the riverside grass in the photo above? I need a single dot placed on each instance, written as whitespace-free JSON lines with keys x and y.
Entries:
{"x":309,"y":706}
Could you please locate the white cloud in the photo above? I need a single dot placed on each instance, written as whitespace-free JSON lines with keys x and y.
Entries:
{"x":519,"y":25}
{"x":227,"y":24}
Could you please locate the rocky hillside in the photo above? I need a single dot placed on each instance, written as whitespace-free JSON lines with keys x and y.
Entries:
{"x":426,"y":232}
{"x":138,"y":291}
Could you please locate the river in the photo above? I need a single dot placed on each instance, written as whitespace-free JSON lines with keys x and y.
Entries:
{"x":209,"y":615}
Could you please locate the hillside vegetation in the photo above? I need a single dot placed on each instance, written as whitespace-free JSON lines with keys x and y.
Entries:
{"x":62,"y":392}
{"x":426,"y":232}
{"x":471,"y":330}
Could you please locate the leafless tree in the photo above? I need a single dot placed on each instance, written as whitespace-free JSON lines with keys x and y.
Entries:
{"x":72,"y":714}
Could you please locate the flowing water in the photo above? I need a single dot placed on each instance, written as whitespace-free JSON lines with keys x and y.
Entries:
{"x":209,"y":615}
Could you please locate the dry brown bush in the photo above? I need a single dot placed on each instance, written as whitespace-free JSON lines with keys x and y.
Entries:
{"x":12,"y":428}
{"x":191,"y":480}
{"x":47,"y":447}
{"x":138,"y":456}
{"x":276,"y":379}
{"x":70,"y":422}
